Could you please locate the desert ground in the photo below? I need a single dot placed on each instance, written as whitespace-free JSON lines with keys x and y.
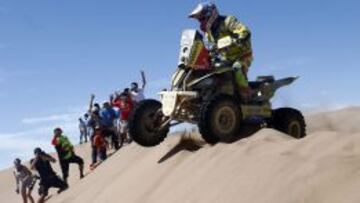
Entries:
{"x":267,"y":166}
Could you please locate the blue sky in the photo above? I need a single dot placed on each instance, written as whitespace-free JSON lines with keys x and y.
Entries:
{"x":54,"y":54}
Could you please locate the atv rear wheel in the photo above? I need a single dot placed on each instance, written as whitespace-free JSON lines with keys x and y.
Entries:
{"x":145,"y":123}
{"x":220,"y":118}
{"x":289,"y":121}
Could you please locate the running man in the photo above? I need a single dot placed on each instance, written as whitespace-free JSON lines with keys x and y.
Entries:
{"x":25,"y":181}
{"x":65,"y":151}
{"x":48,"y":178}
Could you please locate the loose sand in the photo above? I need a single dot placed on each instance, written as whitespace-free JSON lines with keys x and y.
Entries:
{"x":265,"y":167}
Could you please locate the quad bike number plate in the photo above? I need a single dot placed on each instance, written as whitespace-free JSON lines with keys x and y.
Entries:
{"x":168,"y":100}
{"x":224,"y":42}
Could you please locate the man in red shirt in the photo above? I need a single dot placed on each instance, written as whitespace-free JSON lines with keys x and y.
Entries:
{"x":125,"y":105}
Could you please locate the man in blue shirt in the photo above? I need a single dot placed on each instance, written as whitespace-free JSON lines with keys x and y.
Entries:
{"x":107,"y":119}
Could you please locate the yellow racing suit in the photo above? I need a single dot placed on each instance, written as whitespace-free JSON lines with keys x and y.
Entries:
{"x":239,"y":54}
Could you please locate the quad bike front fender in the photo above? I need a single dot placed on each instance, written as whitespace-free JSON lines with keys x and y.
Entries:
{"x":171,"y":100}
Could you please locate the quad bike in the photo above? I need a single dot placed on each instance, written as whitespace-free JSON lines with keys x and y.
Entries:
{"x":204,"y":92}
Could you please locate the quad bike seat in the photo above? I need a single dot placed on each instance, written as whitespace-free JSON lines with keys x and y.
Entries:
{"x":260,"y":80}
{"x":255,"y":84}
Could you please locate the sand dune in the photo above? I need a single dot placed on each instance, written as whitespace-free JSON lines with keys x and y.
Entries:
{"x":266,"y":167}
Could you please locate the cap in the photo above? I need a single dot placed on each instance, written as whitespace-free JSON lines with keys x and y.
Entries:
{"x":17,"y":161}
{"x":37,"y":150}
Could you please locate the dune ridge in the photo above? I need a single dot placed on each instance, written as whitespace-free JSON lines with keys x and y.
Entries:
{"x":266,"y":167}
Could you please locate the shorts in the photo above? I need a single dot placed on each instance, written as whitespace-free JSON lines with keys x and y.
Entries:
{"x":53,"y":181}
{"x":123,"y":126}
{"x":29,"y":183}
{"x":111,"y":133}
{"x":102,"y":154}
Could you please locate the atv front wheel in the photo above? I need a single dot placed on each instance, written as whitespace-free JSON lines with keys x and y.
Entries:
{"x":289,"y":121}
{"x":220,"y":118}
{"x":145,"y":124}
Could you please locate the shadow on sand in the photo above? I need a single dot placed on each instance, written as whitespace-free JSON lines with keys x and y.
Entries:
{"x":186,"y":143}
{"x":192,"y":143}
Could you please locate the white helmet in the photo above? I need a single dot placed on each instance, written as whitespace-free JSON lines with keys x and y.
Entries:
{"x":206,"y":14}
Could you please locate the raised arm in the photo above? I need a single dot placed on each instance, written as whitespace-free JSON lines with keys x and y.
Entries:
{"x":143,"y":79}
{"x":48,"y":158}
{"x":92,"y":97}
{"x":33,"y":162}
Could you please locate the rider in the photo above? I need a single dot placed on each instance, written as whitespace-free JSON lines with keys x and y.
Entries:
{"x":215,"y":27}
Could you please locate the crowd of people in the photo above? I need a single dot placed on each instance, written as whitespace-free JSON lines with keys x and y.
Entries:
{"x":105,"y":126}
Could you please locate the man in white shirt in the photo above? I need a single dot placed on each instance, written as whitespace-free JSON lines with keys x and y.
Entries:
{"x":137,"y":94}
{"x":25,"y":181}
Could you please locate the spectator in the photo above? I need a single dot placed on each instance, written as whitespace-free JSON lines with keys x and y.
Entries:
{"x":115,"y":103}
{"x":97,"y":107}
{"x":100,"y":143}
{"x":94,"y":118}
{"x":127,"y":91}
{"x":107,"y":118}
{"x":88,"y":128}
{"x":25,"y":181}
{"x":114,"y":98}
{"x":48,"y":178}
{"x":125,"y":104}
{"x":86,"y":117}
{"x":137,"y":94}
{"x":65,"y":151}
{"x":93,"y":122}
{"x":83,"y":130}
